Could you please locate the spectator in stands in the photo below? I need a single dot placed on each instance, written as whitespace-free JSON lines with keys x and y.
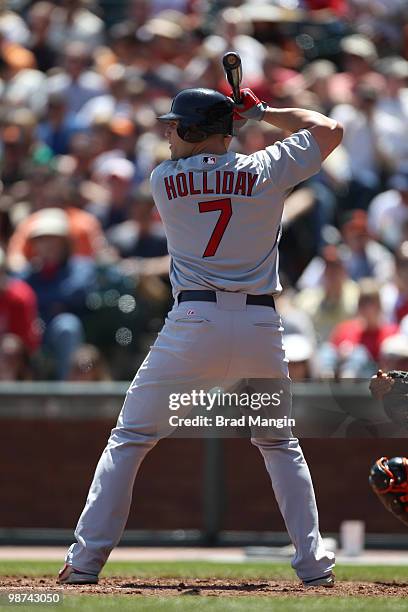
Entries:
{"x":392,"y":112}
{"x":21,"y":150}
{"x":122,"y":38}
{"x":76,"y":82}
{"x":39,"y":19}
{"x":126,"y":134}
{"x":380,"y":21}
{"x":81,"y":156}
{"x":88,"y":365}
{"x":299,"y":353}
{"x":85,"y":231}
{"x":22,"y":83}
{"x":318,"y":77}
{"x":61,"y":283}
{"x":388,"y":212}
{"x":354,"y":345}
{"x":334,"y":300}
{"x":358,"y":57}
{"x":164,"y":38}
{"x":18,"y":309}
{"x":204,"y":70}
{"x":395,"y":294}
{"x":140,"y":235}
{"x":234,"y":32}
{"x":363,"y":256}
{"x":294,"y":320}
{"x":58,"y":127}
{"x":15,"y":363}
{"x":307,"y":210}
{"x":116,"y":175}
{"x":12,"y":25}
{"x":360,"y":143}
{"x":113,"y":102}
{"x":32,"y":189}
{"x":394,"y":353}
{"x":72,"y":21}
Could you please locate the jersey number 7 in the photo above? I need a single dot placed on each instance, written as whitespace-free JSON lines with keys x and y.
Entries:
{"x":225,"y":207}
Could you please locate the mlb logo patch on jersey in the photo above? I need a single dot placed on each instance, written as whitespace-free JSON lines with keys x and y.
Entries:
{"x":209,"y":160}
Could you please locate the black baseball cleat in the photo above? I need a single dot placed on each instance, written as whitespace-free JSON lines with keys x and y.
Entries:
{"x":323,"y":581}
{"x":70,"y":575}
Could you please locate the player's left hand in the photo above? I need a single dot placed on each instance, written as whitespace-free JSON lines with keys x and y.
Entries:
{"x":389,"y":481}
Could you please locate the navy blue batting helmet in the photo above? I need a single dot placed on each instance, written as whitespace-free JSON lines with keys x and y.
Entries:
{"x":200,"y":112}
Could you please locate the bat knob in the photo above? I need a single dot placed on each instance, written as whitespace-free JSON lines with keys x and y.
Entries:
{"x":231,"y":60}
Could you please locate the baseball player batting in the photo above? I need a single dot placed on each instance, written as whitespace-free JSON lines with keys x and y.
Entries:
{"x":222,"y":216}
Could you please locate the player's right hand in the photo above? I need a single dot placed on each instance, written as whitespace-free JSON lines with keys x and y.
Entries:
{"x":380,"y":385}
{"x":250,"y":107}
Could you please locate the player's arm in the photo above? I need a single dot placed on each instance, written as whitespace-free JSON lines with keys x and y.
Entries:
{"x":327,"y":132}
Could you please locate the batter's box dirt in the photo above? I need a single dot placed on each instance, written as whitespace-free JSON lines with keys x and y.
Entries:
{"x":207,"y":587}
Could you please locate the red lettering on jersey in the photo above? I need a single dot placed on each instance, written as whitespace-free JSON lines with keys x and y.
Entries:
{"x":193,"y":190}
{"x":170,"y":187}
{"x":217,"y":181}
{"x":228,"y":182}
{"x":240,"y":185}
{"x":251,"y":182}
{"x":181,"y":181}
{"x":205,"y":185}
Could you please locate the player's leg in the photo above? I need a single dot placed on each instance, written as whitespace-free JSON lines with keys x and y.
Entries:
{"x":174,"y":364}
{"x":261,"y":338}
{"x":293,"y":488}
{"x":103,"y":519}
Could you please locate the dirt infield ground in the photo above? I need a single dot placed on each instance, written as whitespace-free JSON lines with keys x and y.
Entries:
{"x":167,"y":587}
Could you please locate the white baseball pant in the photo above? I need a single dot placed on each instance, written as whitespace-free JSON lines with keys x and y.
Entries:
{"x":201,"y":345}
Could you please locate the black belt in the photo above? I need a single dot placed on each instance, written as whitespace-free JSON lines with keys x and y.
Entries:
{"x":210,"y":296}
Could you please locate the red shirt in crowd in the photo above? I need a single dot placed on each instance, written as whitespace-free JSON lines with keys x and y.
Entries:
{"x":354,"y":332}
{"x":339,"y":7}
{"x":18,"y":313}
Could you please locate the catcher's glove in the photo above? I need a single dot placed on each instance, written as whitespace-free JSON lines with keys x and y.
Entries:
{"x":389,"y":480}
{"x":396,"y":400}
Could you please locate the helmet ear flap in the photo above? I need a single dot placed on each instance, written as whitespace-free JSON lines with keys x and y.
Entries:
{"x":191,"y":134}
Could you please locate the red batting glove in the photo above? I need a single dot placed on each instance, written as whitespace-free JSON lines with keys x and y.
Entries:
{"x":250,"y":107}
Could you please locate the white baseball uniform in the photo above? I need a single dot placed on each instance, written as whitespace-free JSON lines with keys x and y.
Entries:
{"x":222,"y":217}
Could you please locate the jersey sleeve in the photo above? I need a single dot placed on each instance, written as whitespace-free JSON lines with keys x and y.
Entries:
{"x":156,"y":186}
{"x":292,"y":160}
{"x":153,"y":179}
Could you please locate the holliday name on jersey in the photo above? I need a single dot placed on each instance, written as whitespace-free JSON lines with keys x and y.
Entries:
{"x":217,"y":183}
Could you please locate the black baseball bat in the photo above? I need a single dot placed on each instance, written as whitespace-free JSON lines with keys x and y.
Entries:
{"x":233,"y":71}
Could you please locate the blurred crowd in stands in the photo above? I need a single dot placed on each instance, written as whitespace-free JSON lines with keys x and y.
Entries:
{"x":83,"y":259}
